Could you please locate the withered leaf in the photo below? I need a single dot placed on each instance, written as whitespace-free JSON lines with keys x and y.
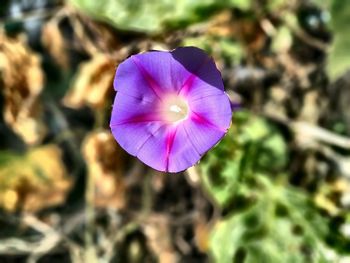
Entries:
{"x":34,"y":181}
{"x":157,"y":229}
{"x":22,"y":80}
{"x":105,"y":159}
{"x":93,"y":83}
{"x":85,"y":36}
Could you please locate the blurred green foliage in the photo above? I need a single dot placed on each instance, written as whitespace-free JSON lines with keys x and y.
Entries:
{"x":154,"y":15}
{"x":339,"y":55}
{"x":339,"y":58}
{"x":231,"y":51}
{"x":279,"y":226}
{"x":251,"y":146}
{"x":266,"y":219}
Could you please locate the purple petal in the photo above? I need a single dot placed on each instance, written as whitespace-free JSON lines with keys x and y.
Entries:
{"x":202,"y":135}
{"x":127,"y":109}
{"x":214,"y":109}
{"x":132,"y":136}
{"x":153,"y":150}
{"x":183,"y":154}
{"x":165,"y":71}
{"x":202,"y":71}
{"x":196,"y":89}
{"x":133,"y":120}
{"x":169,"y":150}
{"x":134,"y":80}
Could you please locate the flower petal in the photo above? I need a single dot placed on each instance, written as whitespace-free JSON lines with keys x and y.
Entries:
{"x":202,"y":74}
{"x":200,"y":89}
{"x":165,"y":71}
{"x":203,"y":136}
{"x":183,"y":154}
{"x":215,"y":109}
{"x":153,"y":150}
{"x":180,"y":70}
{"x":133,"y":135}
{"x":209,"y":120}
{"x":133,"y":120}
{"x":127,"y":109}
{"x":134,"y":80}
{"x":170,"y":150}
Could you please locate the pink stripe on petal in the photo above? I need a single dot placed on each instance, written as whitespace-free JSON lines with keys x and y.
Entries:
{"x":148,"y":77}
{"x":125,"y":108}
{"x":195,"y":117}
{"x":201,"y":89}
{"x":188,"y":84}
{"x":183,"y":154}
{"x":169,"y":149}
{"x":196,"y":62}
{"x":169,"y":144}
{"x":130,"y":81}
{"x":165,"y":71}
{"x":132,"y":136}
{"x":145,"y":117}
{"x":214,"y":109}
{"x":202,"y":136}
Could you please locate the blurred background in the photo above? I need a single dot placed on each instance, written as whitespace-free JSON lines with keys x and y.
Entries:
{"x":276,"y":189}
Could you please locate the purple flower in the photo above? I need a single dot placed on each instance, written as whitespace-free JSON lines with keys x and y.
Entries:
{"x":170,"y":107}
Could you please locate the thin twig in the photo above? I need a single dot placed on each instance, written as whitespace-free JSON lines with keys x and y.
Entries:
{"x":320,"y":134}
{"x":312,"y":131}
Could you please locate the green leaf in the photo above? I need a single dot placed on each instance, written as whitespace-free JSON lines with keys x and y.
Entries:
{"x":252,"y":145}
{"x":339,"y":57}
{"x":154,"y":15}
{"x":229,"y":49}
{"x":242,"y":4}
{"x":275,"y":5}
{"x":281,"y":226}
{"x":265,"y":219}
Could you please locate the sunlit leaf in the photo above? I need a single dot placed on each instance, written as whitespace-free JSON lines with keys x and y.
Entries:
{"x":93,"y":83}
{"x":281,"y":226}
{"x":153,"y":15}
{"x":105,"y":159}
{"x":22,"y":79}
{"x":339,"y":57}
{"x":251,"y":145}
{"x":33,"y":181}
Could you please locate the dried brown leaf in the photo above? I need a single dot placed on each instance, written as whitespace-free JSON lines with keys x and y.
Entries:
{"x":202,"y":232}
{"x":93,"y":83}
{"x":34,"y":181}
{"x":157,"y":230}
{"x":52,"y":38}
{"x":105,"y":165}
{"x":22,"y":80}
{"x":87,"y":36}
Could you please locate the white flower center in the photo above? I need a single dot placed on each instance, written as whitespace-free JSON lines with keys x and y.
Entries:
{"x":175,"y":109}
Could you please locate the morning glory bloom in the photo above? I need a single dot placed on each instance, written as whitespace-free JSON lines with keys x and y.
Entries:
{"x":170,"y":107}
